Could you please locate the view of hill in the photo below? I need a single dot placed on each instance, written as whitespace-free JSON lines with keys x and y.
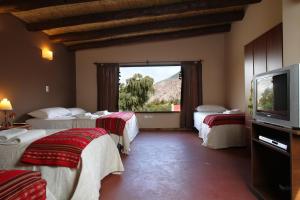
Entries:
{"x":167,"y":90}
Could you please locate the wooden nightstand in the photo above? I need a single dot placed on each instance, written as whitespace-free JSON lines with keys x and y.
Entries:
{"x":17,"y":125}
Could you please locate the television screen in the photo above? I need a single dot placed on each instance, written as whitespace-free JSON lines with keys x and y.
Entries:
{"x":272,"y":96}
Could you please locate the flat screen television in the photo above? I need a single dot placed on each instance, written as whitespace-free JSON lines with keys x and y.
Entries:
{"x":276,"y":97}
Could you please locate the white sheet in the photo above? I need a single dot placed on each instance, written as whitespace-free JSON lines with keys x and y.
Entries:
{"x":98,"y":159}
{"x":198,"y":119}
{"x":222,"y":136}
{"x":65,"y":122}
{"x":130,"y":132}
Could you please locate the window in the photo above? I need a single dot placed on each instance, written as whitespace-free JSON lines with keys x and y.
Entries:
{"x":150,"y":88}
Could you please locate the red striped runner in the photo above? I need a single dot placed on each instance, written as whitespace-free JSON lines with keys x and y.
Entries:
{"x":222,"y":119}
{"x":22,"y":185}
{"x":61,"y":149}
{"x":115,"y":122}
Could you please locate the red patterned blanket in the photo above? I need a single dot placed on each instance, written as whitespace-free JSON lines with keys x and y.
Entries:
{"x":115,"y":122}
{"x":61,"y":149}
{"x":22,"y":185}
{"x":222,"y":119}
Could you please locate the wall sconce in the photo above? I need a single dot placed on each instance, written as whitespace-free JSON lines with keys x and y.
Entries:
{"x":47,"y":54}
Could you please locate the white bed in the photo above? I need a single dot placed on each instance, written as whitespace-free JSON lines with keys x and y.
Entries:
{"x":65,"y":122}
{"x":98,"y":159}
{"x":218,"y":137}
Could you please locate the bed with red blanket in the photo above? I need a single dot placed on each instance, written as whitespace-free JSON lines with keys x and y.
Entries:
{"x":220,"y":130}
{"x":22,"y":185}
{"x":122,"y":126}
{"x":115,"y":122}
{"x":73,"y":161}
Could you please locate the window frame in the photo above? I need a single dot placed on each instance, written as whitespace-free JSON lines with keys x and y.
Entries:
{"x":166,"y":64}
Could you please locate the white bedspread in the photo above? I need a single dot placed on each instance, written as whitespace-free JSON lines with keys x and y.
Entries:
{"x":130,"y":132}
{"x":222,"y":136}
{"x":98,"y":159}
{"x":65,"y":122}
{"x":198,"y":119}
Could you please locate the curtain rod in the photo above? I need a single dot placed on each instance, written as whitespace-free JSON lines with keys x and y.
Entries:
{"x":153,"y":62}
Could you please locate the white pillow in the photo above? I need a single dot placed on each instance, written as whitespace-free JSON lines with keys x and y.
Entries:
{"x":210,"y":108}
{"x":49,"y":113}
{"x":233,"y":111}
{"x":76,"y":111}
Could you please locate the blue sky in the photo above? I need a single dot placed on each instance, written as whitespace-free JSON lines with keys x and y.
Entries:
{"x":157,"y":73}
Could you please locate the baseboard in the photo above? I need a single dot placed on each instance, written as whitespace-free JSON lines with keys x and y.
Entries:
{"x":166,"y":129}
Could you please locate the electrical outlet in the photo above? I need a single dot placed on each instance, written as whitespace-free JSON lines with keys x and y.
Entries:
{"x":47,"y":89}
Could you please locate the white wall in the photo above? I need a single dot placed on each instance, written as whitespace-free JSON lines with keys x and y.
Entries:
{"x":210,"y":49}
{"x":291,"y":31}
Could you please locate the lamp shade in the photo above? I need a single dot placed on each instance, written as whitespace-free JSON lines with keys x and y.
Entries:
{"x":5,"y":105}
{"x":47,"y":54}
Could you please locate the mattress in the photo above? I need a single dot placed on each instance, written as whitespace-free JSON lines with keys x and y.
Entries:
{"x":130,"y":132}
{"x":65,"y":122}
{"x":98,"y":159}
{"x":223,"y":136}
{"x":199,"y":118}
{"x":219,"y":137}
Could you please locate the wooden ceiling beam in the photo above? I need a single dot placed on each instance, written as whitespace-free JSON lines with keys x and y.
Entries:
{"x":25,"y":5}
{"x":138,"y":12}
{"x":152,"y":37}
{"x":199,"y":20}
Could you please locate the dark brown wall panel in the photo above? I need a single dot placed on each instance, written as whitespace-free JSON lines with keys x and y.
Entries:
{"x":274,"y":48}
{"x":260,"y":54}
{"x":24,"y":74}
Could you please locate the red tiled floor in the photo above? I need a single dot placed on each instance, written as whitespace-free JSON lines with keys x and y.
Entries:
{"x":175,"y":166}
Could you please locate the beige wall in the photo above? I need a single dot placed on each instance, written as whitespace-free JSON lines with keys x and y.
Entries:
{"x":159,"y":120}
{"x":210,"y":49}
{"x":291,"y":31}
{"x":24,"y":73}
{"x":259,"y":18}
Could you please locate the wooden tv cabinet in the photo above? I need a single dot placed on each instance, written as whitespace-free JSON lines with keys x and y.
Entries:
{"x":275,"y":173}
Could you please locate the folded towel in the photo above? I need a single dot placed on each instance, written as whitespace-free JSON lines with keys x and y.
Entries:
{"x":103,"y":112}
{"x":87,"y":116}
{"x":233,"y":111}
{"x":28,"y":136}
{"x":81,"y":115}
{"x":93,"y":116}
{"x":11,"y":133}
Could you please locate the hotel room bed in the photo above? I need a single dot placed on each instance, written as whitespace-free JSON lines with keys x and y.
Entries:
{"x":98,"y":159}
{"x":221,"y":136}
{"x":64,"y":122}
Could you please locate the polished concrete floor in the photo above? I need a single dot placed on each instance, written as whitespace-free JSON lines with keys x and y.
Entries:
{"x":175,"y":166}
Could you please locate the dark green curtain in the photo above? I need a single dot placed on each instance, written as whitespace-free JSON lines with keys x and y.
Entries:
{"x":191,"y":92}
{"x":108,"y":86}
